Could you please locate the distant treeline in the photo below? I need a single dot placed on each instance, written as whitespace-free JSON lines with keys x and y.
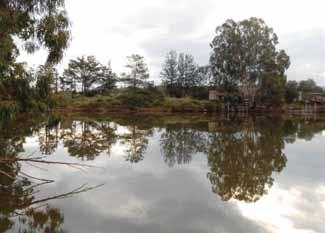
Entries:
{"x":244,"y":64}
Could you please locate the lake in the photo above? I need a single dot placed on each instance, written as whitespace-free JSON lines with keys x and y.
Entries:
{"x":163,"y":174}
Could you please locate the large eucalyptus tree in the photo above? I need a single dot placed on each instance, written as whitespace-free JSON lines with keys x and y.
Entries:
{"x":244,"y":54}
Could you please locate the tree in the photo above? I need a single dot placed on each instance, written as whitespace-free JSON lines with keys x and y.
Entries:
{"x":272,"y":90}
{"x":29,"y":25}
{"x":138,"y":71}
{"x":67,"y":83}
{"x":108,"y":78}
{"x":56,"y":80}
{"x":243,"y":53}
{"x":83,"y":70}
{"x":291,"y":91}
{"x":36,"y":23}
{"x":309,"y":85}
{"x":180,"y":74}
{"x":187,"y":70}
{"x":45,"y":77}
{"x":16,"y":88}
{"x":169,"y":73}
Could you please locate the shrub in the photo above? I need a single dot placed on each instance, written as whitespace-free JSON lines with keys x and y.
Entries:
{"x":137,"y":98}
{"x":190,"y":105}
{"x":183,"y":105}
{"x":201,"y":93}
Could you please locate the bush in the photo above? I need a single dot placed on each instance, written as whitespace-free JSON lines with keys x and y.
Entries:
{"x":190,"y":105}
{"x":183,"y":105}
{"x":201,"y":93}
{"x":211,"y":106}
{"x":61,"y":99}
{"x":137,"y":98}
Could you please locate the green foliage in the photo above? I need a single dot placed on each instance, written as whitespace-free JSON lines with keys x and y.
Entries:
{"x":199,"y":92}
{"x":108,"y":78}
{"x":294,"y":90}
{"x":190,"y":105}
{"x":8,"y":109}
{"x":33,"y":24}
{"x":291,"y":91}
{"x":86,"y":72}
{"x":272,"y":91}
{"x":243,"y":54}
{"x":309,"y":85}
{"x":137,"y":98}
{"x":138,"y":71}
{"x":169,"y":73}
{"x":16,"y":87}
{"x":44,"y":80}
{"x":83,"y":70}
{"x":36,"y":23}
{"x":180,"y":74}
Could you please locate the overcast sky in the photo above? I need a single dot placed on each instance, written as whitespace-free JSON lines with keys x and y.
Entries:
{"x":112,"y":30}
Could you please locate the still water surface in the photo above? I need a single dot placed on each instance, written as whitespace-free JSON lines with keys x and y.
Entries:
{"x":164,"y":174}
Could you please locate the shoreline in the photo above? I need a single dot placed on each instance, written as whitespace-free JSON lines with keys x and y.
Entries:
{"x":166,"y":111}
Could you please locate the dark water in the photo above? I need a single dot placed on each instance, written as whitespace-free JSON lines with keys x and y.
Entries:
{"x":163,"y":174}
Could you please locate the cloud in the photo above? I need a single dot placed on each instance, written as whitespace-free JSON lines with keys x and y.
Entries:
{"x":112,"y":30}
{"x":307,"y":53}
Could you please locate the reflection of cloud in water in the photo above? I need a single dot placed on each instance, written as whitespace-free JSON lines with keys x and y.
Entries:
{"x":275,"y":211}
{"x":135,"y":201}
{"x":167,"y":189}
{"x":297,"y":210}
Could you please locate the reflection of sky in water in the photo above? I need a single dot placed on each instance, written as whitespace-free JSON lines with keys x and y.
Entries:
{"x":149,"y":196}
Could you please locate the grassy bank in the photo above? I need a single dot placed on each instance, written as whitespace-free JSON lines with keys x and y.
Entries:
{"x":101,"y":103}
{"x":141,"y":103}
{"x":145,"y":102}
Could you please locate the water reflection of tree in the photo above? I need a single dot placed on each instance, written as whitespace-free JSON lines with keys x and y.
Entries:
{"x":136,"y":142}
{"x":46,"y":219}
{"x":20,"y":206}
{"x":13,"y":134}
{"x":243,"y":157}
{"x":20,"y":209}
{"x":17,"y":196}
{"x":87,"y":139}
{"x":179,"y":143}
{"x":49,"y":136}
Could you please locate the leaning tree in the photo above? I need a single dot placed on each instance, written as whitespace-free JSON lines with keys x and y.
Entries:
{"x":36,"y":24}
{"x":29,"y":25}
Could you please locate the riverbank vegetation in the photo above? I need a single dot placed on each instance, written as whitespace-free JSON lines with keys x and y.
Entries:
{"x":245,"y":68}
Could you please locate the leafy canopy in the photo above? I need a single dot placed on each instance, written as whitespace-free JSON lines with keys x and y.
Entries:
{"x":36,"y":23}
{"x":83,"y":70}
{"x":87,"y":72}
{"x":138,"y":72}
{"x":245,"y":52}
